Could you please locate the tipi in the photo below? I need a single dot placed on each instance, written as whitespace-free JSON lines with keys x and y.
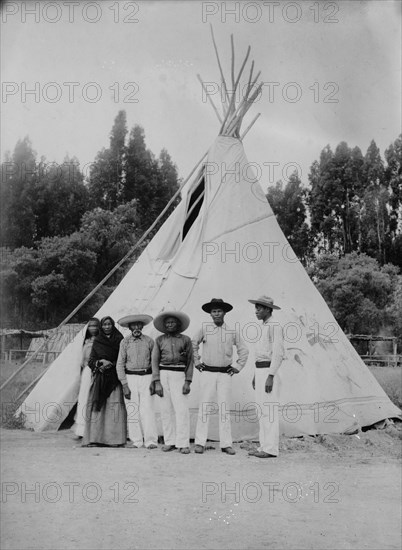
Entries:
{"x":223,"y":241}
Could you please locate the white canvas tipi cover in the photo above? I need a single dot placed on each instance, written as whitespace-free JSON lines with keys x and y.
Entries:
{"x":234,"y":249}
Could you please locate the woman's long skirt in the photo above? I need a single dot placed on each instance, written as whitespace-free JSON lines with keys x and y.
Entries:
{"x":109,"y":425}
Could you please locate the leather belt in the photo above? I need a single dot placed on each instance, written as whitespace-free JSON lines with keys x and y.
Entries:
{"x":141,"y":372}
{"x":263,"y":364}
{"x":208,"y":368}
{"x":176,"y":368}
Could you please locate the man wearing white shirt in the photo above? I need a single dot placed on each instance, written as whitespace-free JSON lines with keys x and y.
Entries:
{"x":269,"y":353}
{"x":216,"y":369}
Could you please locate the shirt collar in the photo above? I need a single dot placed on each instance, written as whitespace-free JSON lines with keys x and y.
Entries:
{"x":223,"y":325}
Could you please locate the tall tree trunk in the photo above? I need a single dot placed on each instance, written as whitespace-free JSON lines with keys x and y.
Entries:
{"x":359,"y":230}
{"x":378,"y":228}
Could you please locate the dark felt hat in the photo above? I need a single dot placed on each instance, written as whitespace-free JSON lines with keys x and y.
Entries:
{"x":217,"y":303}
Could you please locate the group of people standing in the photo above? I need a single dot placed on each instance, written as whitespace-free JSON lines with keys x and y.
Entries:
{"x":121,"y":377}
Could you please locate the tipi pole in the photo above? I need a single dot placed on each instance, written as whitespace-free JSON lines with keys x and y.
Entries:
{"x":233,"y":99}
{"x":30,"y":385}
{"x":111,"y":272}
{"x":210,"y":99}
{"x":249,"y":103}
{"x":219,"y":65}
{"x":240,"y":105}
{"x":249,"y":126}
{"x":250,"y":77}
{"x":254,"y":81}
{"x":233,"y":61}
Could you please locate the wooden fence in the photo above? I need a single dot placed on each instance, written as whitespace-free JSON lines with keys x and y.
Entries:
{"x":382,"y":360}
{"x":44,"y":357}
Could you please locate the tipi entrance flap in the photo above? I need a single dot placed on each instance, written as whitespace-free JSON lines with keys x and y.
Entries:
{"x":167,"y":241}
{"x":194,"y":203}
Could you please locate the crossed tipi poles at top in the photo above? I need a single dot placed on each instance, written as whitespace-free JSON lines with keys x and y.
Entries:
{"x":232,"y":114}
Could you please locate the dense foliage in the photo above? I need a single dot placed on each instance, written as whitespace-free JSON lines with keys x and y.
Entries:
{"x":61,"y":233}
{"x":359,"y":292}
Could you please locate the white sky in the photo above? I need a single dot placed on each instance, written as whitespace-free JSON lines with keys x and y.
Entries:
{"x":162,"y":53}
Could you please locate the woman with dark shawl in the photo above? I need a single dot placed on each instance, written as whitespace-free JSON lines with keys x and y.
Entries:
{"x":106,"y":424}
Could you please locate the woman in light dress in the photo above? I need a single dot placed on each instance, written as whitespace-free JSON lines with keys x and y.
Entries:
{"x":86,"y":377}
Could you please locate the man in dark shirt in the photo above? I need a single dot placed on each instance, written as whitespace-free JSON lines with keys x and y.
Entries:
{"x":172,"y":373}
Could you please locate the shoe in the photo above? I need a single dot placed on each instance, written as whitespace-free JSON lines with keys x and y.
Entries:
{"x":262,"y":454}
{"x":199,"y":449}
{"x":152,"y":446}
{"x":167,"y":448}
{"x":185,"y":450}
{"x":130,"y":445}
{"x":253,"y":452}
{"x":228,"y":450}
{"x":77,"y":438}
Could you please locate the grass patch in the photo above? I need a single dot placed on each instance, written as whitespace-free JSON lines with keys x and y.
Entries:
{"x":8,"y":396}
{"x":8,"y":418}
{"x":390,"y":379}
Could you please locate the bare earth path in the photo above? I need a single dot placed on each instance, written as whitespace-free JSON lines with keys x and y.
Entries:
{"x":343,"y":493}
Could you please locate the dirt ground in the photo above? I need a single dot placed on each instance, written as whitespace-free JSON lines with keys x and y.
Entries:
{"x":335,"y":492}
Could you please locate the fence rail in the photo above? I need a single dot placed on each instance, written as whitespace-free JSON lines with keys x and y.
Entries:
{"x":383,"y":360}
{"x":43,"y":356}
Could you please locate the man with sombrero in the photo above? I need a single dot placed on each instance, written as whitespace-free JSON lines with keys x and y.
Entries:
{"x":135,"y":374}
{"x":218,"y":340}
{"x":172,"y":373}
{"x":269,"y":353}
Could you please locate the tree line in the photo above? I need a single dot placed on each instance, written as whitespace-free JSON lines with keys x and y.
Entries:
{"x":352,"y":203}
{"x":63,"y":230}
{"x":346,"y":228}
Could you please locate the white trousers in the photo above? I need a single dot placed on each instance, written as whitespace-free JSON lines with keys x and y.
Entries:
{"x":215,"y":391}
{"x":268,"y":410}
{"x":141,"y":422}
{"x":174,"y":409}
{"x":82,"y":413}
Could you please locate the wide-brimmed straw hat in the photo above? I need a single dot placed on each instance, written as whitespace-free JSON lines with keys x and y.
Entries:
{"x":217,"y":303}
{"x":159,"y":321}
{"x":265,"y":301}
{"x":135,"y":317}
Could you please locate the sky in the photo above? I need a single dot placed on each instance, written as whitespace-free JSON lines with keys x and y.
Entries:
{"x":331,"y":73}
